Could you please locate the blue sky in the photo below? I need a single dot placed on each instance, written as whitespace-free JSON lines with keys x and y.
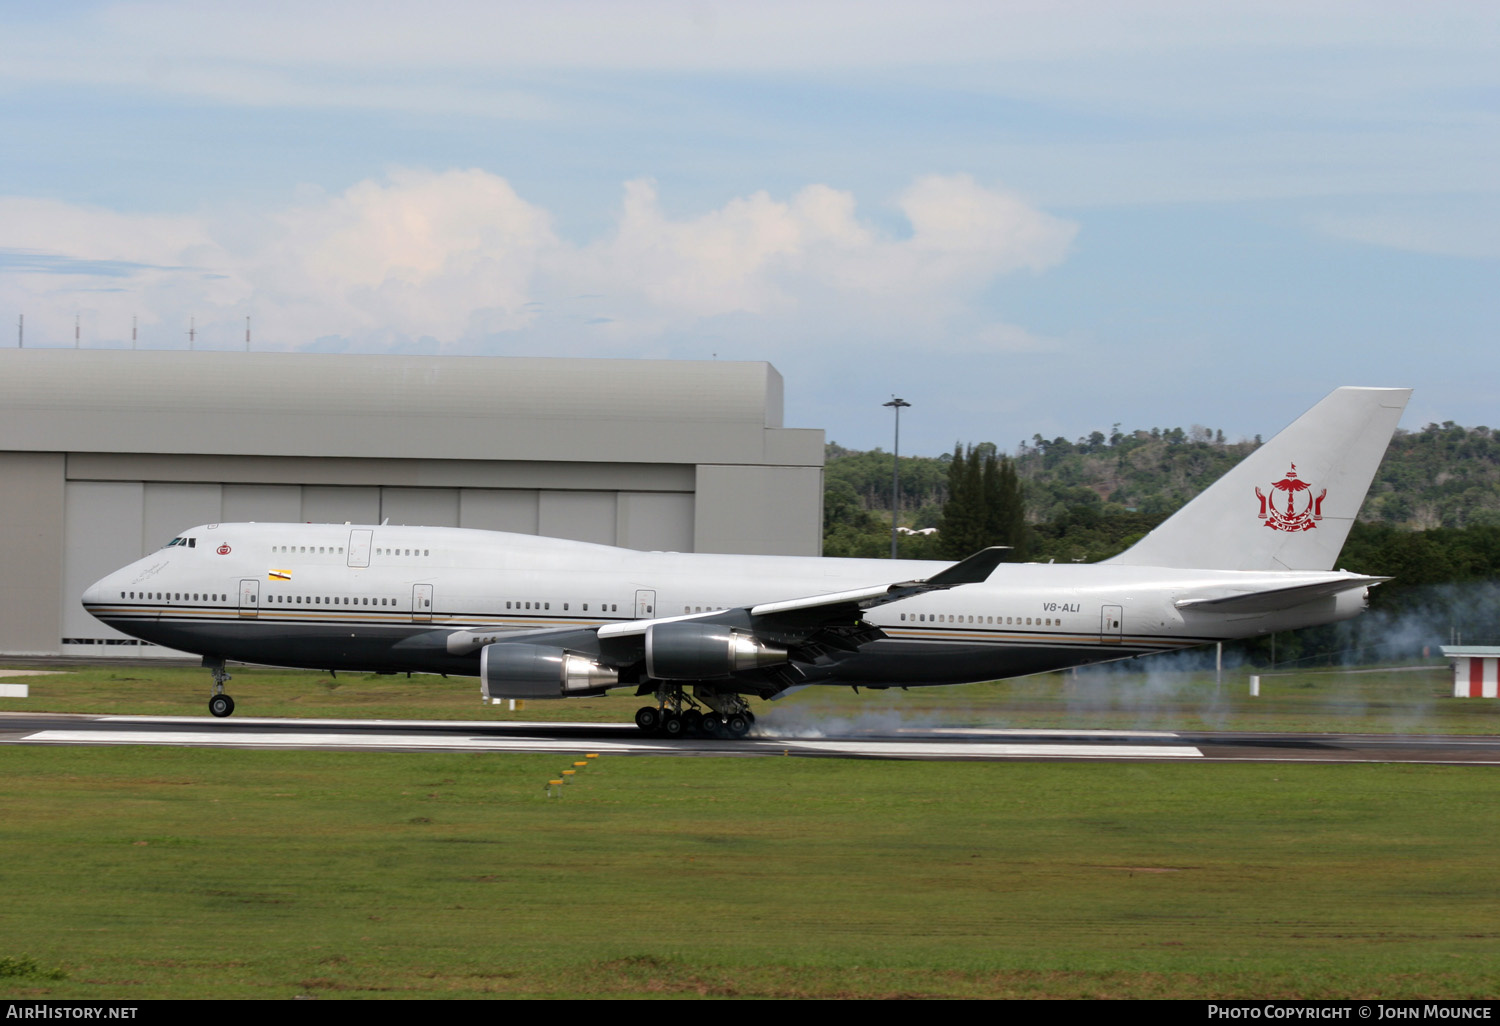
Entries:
{"x":1022,"y":217}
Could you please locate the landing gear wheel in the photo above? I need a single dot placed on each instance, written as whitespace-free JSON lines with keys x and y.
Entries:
{"x":692,"y":721}
{"x":221,"y":705}
{"x":648,"y":718}
{"x":737,"y":725}
{"x":672,"y":725}
{"x":712,"y":725}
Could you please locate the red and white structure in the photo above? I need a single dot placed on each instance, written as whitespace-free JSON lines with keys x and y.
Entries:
{"x":1476,"y":670}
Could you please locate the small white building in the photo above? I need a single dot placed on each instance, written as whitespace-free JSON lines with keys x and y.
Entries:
{"x":1476,"y":670}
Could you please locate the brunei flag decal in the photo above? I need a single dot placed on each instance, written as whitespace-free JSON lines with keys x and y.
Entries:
{"x":279,"y":575}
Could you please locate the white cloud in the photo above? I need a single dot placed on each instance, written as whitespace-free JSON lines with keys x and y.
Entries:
{"x":1439,"y":230}
{"x":460,"y":258}
{"x":456,"y":55}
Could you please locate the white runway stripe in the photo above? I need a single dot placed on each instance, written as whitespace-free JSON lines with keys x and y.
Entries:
{"x":1037,"y":732}
{"x":273,"y":739}
{"x":425,"y":742}
{"x":906,"y":749}
{"x":271,"y":721}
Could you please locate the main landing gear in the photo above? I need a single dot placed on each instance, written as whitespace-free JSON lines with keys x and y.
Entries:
{"x":219,"y":704}
{"x":677,"y":715}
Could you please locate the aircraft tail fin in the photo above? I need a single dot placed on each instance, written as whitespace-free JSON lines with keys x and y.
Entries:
{"x":1288,"y":505}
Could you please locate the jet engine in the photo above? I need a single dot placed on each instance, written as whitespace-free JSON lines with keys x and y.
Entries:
{"x":514,"y":670}
{"x":685,"y":650}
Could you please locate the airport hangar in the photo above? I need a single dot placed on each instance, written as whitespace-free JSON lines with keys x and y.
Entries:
{"x":106,"y":455}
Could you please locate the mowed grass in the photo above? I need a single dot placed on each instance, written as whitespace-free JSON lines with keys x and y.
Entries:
{"x":1135,"y":695}
{"x":163,"y":872}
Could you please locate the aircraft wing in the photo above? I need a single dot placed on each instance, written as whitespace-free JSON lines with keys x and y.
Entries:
{"x":840,"y":605}
{"x":802,"y":628}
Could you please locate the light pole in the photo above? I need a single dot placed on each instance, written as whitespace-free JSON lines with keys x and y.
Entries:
{"x":896,"y":404}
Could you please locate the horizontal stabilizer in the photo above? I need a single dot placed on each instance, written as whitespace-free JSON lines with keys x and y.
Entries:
{"x":1273,"y":599}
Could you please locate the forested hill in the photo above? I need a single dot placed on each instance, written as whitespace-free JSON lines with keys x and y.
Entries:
{"x":1088,"y":498}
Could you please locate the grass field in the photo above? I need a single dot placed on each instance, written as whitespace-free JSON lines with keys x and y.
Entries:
{"x":144,"y":872}
{"x":141,"y":872}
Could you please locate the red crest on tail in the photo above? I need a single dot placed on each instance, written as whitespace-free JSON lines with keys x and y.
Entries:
{"x":1291,"y":518}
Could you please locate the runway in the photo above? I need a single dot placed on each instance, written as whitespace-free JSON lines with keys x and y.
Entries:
{"x":936,"y":743}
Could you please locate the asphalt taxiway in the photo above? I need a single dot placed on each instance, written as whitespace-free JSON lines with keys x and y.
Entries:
{"x":942,"y":743}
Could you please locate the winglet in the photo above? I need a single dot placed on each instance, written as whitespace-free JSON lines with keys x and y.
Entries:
{"x":971,"y":570}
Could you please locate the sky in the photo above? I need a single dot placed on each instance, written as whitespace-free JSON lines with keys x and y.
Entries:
{"x":1021,"y":217}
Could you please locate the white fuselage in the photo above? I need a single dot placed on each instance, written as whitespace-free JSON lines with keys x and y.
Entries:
{"x":385,"y":598}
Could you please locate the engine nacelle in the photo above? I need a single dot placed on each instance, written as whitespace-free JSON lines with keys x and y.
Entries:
{"x":513,"y":670}
{"x":702,"y":651}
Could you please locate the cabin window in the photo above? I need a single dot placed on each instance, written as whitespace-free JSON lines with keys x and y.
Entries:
{"x":585,"y":607}
{"x":546,"y":605}
{"x":565,"y":607}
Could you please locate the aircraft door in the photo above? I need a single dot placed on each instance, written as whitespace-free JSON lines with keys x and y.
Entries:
{"x":249,"y":598}
{"x":359,"y":547}
{"x":1111,"y":624}
{"x":421,"y":603}
{"x":645,"y":605}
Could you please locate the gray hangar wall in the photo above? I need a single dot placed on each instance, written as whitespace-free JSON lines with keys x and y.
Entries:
{"x":107,"y":455}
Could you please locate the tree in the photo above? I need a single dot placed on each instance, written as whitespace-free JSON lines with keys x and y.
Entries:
{"x":957,"y":527}
{"x":985,"y":505}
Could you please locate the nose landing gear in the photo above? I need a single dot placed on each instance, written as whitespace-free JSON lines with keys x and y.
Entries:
{"x":219,"y":704}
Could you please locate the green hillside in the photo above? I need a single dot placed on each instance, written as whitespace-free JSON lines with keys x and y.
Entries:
{"x":1089,"y":498}
{"x":1431,"y":521}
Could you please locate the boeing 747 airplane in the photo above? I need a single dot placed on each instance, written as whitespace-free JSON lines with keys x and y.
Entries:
{"x":697,"y":634}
